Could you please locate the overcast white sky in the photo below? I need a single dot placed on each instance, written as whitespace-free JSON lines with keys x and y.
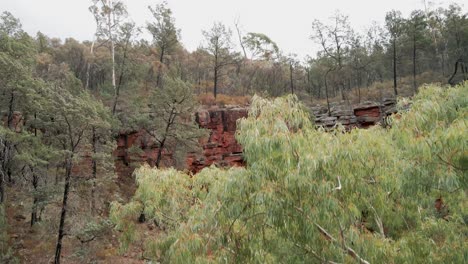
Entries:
{"x":288,"y":22}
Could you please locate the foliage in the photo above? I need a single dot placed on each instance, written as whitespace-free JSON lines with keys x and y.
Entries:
{"x":380,"y":195}
{"x":261,"y":46}
{"x":168,"y":118}
{"x":165,"y":34}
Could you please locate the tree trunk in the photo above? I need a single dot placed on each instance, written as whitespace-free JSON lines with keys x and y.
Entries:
{"x":61,"y":231}
{"x":88,"y":68}
{"x":394,"y":68}
{"x":241,"y":43}
{"x":6,"y":170}
{"x":215,"y":85}
{"x":326,"y":90}
{"x":450,"y":81}
{"x":170,"y":122}
{"x":291,"y":78}
{"x":161,"y":147}
{"x":159,"y":77}
{"x":113,"y":66}
{"x":11,"y":110}
{"x":35,"y":182}
{"x":2,"y":190}
{"x":122,"y":67}
{"x":94,"y":172}
{"x":111,"y":39}
{"x":415,"y":88}
{"x":359,"y":94}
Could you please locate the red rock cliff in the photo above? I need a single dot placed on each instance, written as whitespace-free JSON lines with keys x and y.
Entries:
{"x":220,"y":148}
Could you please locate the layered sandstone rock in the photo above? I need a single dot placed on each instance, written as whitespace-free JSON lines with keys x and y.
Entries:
{"x":358,"y":116}
{"x":221,"y":148}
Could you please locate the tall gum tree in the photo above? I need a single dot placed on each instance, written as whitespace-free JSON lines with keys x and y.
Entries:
{"x":16,"y":89}
{"x":334,"y":39}
{"x":219,"y":46}
{"x":394,"y":24}
{"x":165,"y":35}
{"x":109,"y":15}
{"x":74,"y":112}
{"x":169,"y":118}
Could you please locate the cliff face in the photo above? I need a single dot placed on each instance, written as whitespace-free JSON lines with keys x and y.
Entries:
{"x":359,"y":116}
{"x":221,"y":147}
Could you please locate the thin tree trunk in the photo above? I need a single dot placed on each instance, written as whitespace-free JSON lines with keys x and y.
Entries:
{"x":111,"y":39}
{"x":35,"y":182}
{"x":5,"y":165}
{"x":326,"y":91}
{"x":2,"y":188}
{"x":215,"y":85}
{"x":159,"y":77}
{"x":161,"y":147}
{"x":291,"y":78}
{"x":113,"y":66}
{"x":61,"y":231}
{"x":241,"y":43}
{"x":11,"y":110}
{"x":94,"y":172}
{"x":415,"y":88}
{"x":394,"y":68}
{"x":359,"y":94}
{"x":88,"y":68}
{"x":450,"y":81}
{"x":170,"y":121}
{"x":122,"y":66}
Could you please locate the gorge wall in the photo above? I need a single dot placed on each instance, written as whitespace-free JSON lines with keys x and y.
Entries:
{"x":221,"y":147}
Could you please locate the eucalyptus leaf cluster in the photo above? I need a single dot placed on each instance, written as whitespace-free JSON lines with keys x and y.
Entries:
{"x":381,"y":195}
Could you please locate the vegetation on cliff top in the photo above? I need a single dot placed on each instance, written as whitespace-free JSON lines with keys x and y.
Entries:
{"x":382,"y":195}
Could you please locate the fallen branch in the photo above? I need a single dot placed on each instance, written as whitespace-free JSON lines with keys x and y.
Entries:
{"x":329,"y":237}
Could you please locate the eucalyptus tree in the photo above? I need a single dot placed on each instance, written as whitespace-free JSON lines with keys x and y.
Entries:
{"x":293,"y":64}
{"x":261,"y":51}
{"x":415,"y":28}
{"x":10,"y":25}
{"x":360,"y":60}
{"x":334,"y":40}
{"x":394,"y":24}
{"x":165,"y":34}
{"x":126,"y":37}
{"x":16,"y":89}
{"x":109,"y":16}
{"x":168,"y":119}
{"x":375,"y":45}
{"x":73,"y":113}
{"x":219,"y":46}
{"x":456,"y":31}
{"x":260,"y":46}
